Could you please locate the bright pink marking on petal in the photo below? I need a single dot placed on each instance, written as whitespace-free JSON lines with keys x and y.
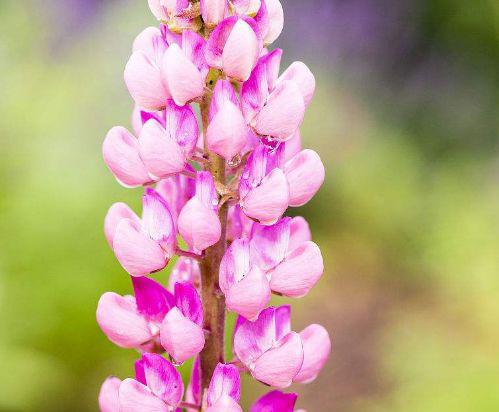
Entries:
{"x":188,"y":301}
{"x":163,"y":379}
{"x":193,"y":391}
{"x":317,"y":347}
{"x":134,"y":396}
{"x":140,"y":374}
{"x":108,"y":395}
{"x":225,"y":381}
{"x":216,"y":42}
{"x":116,"y":213}
{"x":269,"y":244}
{"x":153,"y":300}
{"x":194,"y":46}
{"x":275,"y":401}
{"x":282,"y":321}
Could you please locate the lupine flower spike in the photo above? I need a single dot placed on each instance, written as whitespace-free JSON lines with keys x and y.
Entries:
{"x":217,"y":180}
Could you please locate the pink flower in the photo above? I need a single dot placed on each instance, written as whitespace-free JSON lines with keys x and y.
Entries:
{"x":268,"y":348}
{"x":246,"y":288}
{"x":158,"y":386}
{"x":227,"y":132}
{"x":224,"y":390}
{"x":316,"y":347}
{"x":263,"y":189}
{"x":185,"y":270}
{"x":142,"y":246}
{"x":198,"y":221}
{"x":170,"y":12}
{"x":234,"y":47}
{"x":108,"y":395}
{"x":292,"y":263}
{"x":275,"y":401}
{"x":213,"y":11}
{"x":165,"y":150}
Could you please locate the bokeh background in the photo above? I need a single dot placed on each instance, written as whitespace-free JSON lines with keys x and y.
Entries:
{"x":406,"y":120}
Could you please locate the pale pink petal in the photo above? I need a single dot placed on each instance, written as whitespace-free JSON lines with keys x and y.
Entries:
{"x":261,"y":19}
{"x":121,"y":154}
{"x":249,"y":7}
{"x":225,"y":381}
{"x":275,"y":401}
{"x":193,"y":46}
{"x":116,"y":213}
{"x":300,"y":232}
{"x":108,"y":395}
{"x":278,"y":366}
{"x":283,"y":113}
{"x":181,"y":337}
{"x":305,"y":174}
{"x":152,"y":299}
{"x":134,"y":397}
{"x":206,"y":191}
{"x":152,"y":43}
{"x":269,"y":244}
{"x":217,"y":40}
{"x":182,"y":77}
{"x":240,"y":51}
{"x":303,"y":77}
{"x":176,"y":190}
{"x":225,"y":404}
{"x":276,"y":19}
{"x":144,"y":82}
{"x":282,"y":321}
{"x":138,"y":253}
{"x":163,"y":379}
{"x":213,"y":11}
{"x":239,"y":225}
{"x":182,"y":126}
{"x":235,"y":264}
{"x":316,"y":347}
{"x":188,"y":302}
{"x":267,"y":202}
{"x":158,"y":10}
{"x":119,"y":319}
{"x":223,"y":93}
{"x":300,"y":271}
{"x":161,"y":154}
{"x":292,"y":146}
{"x":185,"y":270}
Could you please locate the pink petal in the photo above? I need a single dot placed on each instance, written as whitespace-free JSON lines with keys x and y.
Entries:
{"x":188,"y":302}
{"x":282,"y":321}
{"x":163,"y":379}
{"x":213,"y":11}
{"x":116,"y":213}
{"x":303,"y":77}
{"x":153,"y":300}
{"x":227,"y":133}
{"x":161,"y":154}
{"x":283,"y":113}
{"x":193,"y":391}
{"x":185,"y":270}
{"x":240,"y":52}
{"x":246,"y":6}
{"x":305,"y":174}
{"x":300,"y":232}
{"x":235,"y":264}
{"x":158,"y":10}
{"x":217,"y":40}
{"x":182,"y":126}
{"x":194,"y":46}
{"x":152,"y":43}
{"x":276,"y":20}
{"x":157,"y":221}
{"x":138,"y":253}
{"x":181,"y":337}
{"x":225,"y":404}
{"x":134,"y":397}
{"x":317,"y":347}
{"x":223,"y":93}
{"x":121,"y":154}
{"x":275,"y":401}
{"x":250,"y":295}
{"x":108,"y":395}
{"x":199,"y":225}
{"x":267,"y":202}
{"x":144,"y":82}
{"x":239,"y":225}
{"x":182,"y":77}
{"x":300,"y":271}
{"x":269,"y":244}
{"x":119,"y":319}
{"x":205,"y":190}
{"x":225,"y":381}
{"x":292,"y":146}
{"x":278,"y":366}
{"x":176,"y":190}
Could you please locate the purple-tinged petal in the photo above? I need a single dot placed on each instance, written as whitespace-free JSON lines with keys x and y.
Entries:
{"x":316,"y":347}
{"x":267,"y":202}
{"x":193,"y":46}
{"x":176,"y":190}
{"x":182,"y":126}
{"x":254,"y":171}
{"x":116,"y":213}
{"x":153,"y":300}
{"x":159,"y":116}
{"x":239,"y":225}
{"x":213,"y":11}
{"x":253,"y":339}
{"x":206,"y":191}
{"x":216,"y":41}
{"x":133,"y":397}
{"x":161,"y":154}
{"x":300,"y":271}
{"x":157,"y":221}
{"x":292,"y":146}
{"x":225,"y":381}
{"x":188,"y":302}
{"x":276,"y":20}
{"x":121,"y":154}
{"x":283,"y":113}
{"x":275,"y":401}
{"x":163,"y":379}
{"x":262,"y":21}
{"x":140,"y":374}
{"x":279,"y":365}
{"x":282,"y":321}
{"x":193,"y":391}
{"x":181,"y":337}
{"x":108,"y":395}
{"x":235,"y":264}
{"x":138,"y":253}
{"x":305,"y":174}
{"x":152,"y":43}
{"x":240,"y":51}
{"x":225,"y":404}
{"x":223,"y":93}
{"x":158,"y":9}
{"x":182,"y":77}
{"x":299,"y":73}
{"x":185,"y":270}
{"x":269,"y":244}
{"x":300,"y":233}
{"x":119,"y":319}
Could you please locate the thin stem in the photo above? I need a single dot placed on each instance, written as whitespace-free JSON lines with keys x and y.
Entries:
{"x":190,"y":255}
{"x":213,"y":299}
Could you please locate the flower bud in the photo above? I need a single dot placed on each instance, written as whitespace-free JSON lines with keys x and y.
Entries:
{"x":316,"y":347}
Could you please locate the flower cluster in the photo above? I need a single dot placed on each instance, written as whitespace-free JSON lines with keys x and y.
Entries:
{"x":217,"y":183}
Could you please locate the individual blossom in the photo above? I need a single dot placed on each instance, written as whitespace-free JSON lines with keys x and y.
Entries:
{"x":198,"y":221}
{"x":177,"y":14}
{"x":108,"y":395}
{"x":142,"y":246}
{"x":268,"y":348}
{"x":292,"y":263}
{"x":263,"y":188}
{"x":275,"y":106}
{"x":158,"y":386}
{"x":246,"y":288}
{"x":224,"y":391}
{"x":275,"y":401}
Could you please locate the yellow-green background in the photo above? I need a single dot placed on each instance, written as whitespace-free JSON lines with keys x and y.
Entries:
{"x":408,"y":219}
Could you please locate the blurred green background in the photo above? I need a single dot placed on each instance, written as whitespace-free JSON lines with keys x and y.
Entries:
{"x":406,"y":120}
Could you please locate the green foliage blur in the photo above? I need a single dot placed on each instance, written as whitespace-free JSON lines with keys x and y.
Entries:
{"x":408,"y":220}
